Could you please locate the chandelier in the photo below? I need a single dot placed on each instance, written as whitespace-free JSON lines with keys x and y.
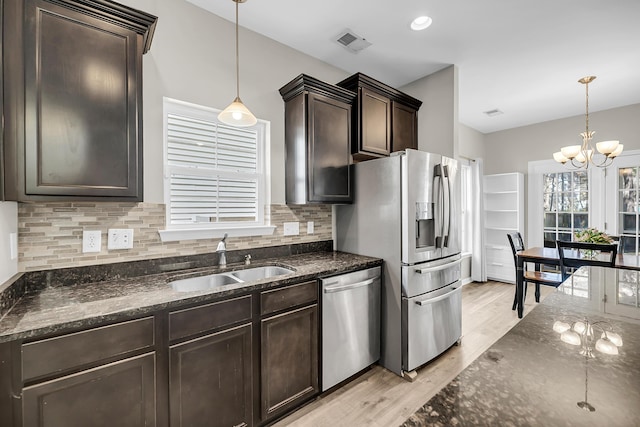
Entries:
{"x":581,"y":156}
{"x":236,"y":114}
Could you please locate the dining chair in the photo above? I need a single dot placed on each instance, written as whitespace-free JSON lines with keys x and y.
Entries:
{"x":572,"y":255}
{"x":536,"y":277}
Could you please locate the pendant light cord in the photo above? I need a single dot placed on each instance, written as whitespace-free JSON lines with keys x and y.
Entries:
{"x":237,"y":54}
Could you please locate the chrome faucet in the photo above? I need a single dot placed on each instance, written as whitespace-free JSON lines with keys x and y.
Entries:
{"x":222,"y":250}
{"x":247,"y":259}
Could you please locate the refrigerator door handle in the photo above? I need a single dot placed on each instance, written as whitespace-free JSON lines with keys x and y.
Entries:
{"x":438,"y":268}
{"x":437,"y":177}
{"x":436,"y":299}
{"x":446,"y":207}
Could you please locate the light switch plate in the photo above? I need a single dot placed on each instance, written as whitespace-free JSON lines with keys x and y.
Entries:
{"x":291,"y":228}
{"x":310,"y":227}
{"x":91,"y":241}
{"x":119,"y":238}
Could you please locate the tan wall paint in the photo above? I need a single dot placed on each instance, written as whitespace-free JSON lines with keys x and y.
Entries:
{"x":192,"y":58}
{"x":470,"y":143}
{"x":438,"y":115}
{"x":511,"y":150}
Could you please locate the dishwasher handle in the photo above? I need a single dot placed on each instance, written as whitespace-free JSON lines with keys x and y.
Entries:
{"x":340,"y":288}
{"x":436,"y":299}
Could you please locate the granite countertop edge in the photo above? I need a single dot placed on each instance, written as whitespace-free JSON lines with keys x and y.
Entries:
{"x":58,"y":309}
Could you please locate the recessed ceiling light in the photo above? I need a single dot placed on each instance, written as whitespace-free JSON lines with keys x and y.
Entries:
{"x":420,"y":23}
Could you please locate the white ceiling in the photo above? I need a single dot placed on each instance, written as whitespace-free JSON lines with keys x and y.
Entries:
{"x":522,"y":57}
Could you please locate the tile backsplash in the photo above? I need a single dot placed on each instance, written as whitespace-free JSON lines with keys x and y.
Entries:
{"x":50,"y":234}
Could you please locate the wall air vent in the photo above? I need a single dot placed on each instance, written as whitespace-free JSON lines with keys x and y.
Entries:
{"x":353,"y":42}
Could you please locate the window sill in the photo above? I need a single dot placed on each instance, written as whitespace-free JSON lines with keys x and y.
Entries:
{"x":212,"y":233}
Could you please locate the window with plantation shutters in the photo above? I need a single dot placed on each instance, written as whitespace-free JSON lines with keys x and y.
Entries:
{"x":214,"y":173}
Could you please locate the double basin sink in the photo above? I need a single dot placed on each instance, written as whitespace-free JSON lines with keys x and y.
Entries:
{"x":212,"y":281}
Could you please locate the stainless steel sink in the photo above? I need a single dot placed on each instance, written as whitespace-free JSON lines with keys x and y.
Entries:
{"x":203,"y":283}
{"x":212,"y":281}
{"x":259,"y":273}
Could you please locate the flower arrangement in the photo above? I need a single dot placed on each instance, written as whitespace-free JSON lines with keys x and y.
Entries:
{"x":593,"y":235}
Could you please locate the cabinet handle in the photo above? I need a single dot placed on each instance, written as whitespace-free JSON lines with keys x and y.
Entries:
{"x":497,"y":264}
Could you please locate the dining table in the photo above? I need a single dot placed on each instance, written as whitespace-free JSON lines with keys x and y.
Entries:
{"x":549,"y":256}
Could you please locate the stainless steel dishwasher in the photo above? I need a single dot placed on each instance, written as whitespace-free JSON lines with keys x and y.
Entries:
{"x":350,"y":324}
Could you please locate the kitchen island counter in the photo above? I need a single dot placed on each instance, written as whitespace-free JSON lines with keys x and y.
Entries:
{"x":57,"y":307}
{"x":531,"y":377}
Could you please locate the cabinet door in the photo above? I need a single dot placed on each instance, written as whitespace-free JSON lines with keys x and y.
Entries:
{"x":289,"y":360}
{"x":329,"y":150}
{"x":117,"y":394}
{"x":210,"y":380}
{"x":404,"y":127}
{"x":82,"y":92}
{"x":375,"y":123}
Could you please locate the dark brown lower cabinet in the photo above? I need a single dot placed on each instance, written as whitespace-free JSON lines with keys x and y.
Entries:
{"x":289,"y":359}
{"x":210,"y":380}
{"x":117,"y":394}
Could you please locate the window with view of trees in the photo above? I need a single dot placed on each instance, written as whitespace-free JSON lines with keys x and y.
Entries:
{"x":566,"y":205}
{"x":628,"y":212}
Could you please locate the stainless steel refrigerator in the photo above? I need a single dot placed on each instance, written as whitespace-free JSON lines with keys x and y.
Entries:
{"x":407,"y":211}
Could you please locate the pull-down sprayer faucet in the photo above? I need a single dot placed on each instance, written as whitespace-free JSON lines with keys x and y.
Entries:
{"x":222,"y":251}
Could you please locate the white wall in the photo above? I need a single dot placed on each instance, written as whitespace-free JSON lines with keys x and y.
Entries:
{"x":438,"y":115}
{"x":8,"y":225}
{"x":511,"y":150}
{"x":192,"y":58}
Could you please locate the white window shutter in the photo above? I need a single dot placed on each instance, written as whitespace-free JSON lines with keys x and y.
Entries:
{"x":214,"y":172}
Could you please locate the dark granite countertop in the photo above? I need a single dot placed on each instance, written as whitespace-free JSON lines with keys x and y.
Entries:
{"x":532,"y":378}
{"x":56,"y":308}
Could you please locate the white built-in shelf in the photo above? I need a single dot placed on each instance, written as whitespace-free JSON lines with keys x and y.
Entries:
{"x":504,"y":213}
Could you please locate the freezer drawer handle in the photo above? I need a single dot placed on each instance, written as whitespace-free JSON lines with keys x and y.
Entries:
{"x":340,"y":288}
{"x":438,"y":268}
{"x":433,"y":300}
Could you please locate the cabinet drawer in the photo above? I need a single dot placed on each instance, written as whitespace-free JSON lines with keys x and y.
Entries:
{"x":501,"y":254}
{"x":291,"y":296}
{"x":191,"y":321}
{"x":501,"y":271}
{"x":53,"y":355}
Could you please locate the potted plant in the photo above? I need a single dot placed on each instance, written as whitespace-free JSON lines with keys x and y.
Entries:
{"x":592,"y":235}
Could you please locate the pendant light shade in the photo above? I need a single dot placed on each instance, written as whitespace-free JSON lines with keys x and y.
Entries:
{"x":237,"y":114}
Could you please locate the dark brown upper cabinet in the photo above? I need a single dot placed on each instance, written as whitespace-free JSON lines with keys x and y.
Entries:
{"x":385,"y":119}
{"x":73,"y":99}
{"x":317,"y":141}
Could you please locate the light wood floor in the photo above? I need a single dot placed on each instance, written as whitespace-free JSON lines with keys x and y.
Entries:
{"x":380,"y":398}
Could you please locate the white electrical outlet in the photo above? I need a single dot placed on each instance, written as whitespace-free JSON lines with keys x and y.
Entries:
{"x":310,"y":227}
{"x":91,"y":241}
{"x":291,"y":228}
{"x":120,"y":238}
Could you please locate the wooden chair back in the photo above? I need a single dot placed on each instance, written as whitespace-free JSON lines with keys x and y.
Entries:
{"x":573,"y":255}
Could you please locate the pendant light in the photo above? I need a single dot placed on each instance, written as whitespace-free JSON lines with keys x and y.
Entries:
{"x":236,"y":114}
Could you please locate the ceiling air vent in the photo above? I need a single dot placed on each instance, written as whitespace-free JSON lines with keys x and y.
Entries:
{"x":493,"y":113}
{"x":353,"y":42}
